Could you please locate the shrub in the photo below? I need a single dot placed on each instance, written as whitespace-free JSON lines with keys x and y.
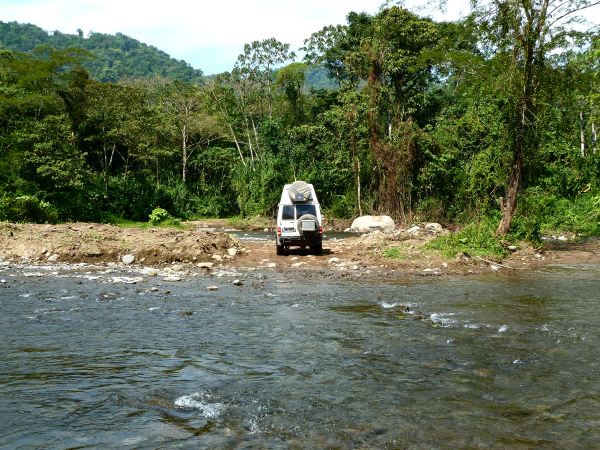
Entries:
{"x":27,"y":208}
{"x":158,"y":216}
{"x":476,"y":239}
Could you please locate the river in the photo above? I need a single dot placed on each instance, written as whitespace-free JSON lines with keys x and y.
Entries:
{"x":502,"y":360}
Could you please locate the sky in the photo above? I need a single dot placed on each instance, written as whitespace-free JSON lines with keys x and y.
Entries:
{"x":209,"y":35}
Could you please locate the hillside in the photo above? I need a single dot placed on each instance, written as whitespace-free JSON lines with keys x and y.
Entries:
{"x":114,"y":56}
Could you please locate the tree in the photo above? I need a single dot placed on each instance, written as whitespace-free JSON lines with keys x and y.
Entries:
{"x":325,"y":47}
{"x":258,"y":62}
{"x":524,"y":33}
{"x":186,"y":111}
{"x":290,"y":79}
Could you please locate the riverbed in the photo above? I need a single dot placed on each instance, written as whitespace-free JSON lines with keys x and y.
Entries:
{"x":97,"y":357}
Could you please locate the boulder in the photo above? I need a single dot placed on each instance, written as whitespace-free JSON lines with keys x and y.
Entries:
{"x":414,"y":230}
{"x":365,"y":224}
{"x":434,"y":228}
{"x":128,"y":259}
{"x":53,"y":258}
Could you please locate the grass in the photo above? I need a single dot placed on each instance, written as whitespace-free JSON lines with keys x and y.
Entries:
{"x":475,"y":239}
{"x":394,"y":253}
{"x":250,"y":223}
{"x":169,"y":223}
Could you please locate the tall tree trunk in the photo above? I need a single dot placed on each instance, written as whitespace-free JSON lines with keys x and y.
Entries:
{"x":360,"y":211}
{"x":581,"y":134}
{"x":184,"y":155}
{"x":594,"y":138}
{"x":509,"y":205}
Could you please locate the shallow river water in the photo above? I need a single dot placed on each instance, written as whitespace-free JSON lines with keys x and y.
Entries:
{"x":507,"y":360}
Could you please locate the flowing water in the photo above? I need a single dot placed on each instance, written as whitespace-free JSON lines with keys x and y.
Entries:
{"x":509,"y":361}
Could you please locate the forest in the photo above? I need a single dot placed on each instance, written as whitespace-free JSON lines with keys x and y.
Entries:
{"x":489,"y":122}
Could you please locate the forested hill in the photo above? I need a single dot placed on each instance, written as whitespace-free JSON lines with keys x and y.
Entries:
{"x":114,"y":56}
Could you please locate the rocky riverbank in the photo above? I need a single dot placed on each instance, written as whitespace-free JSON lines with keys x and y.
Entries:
{"x":205,"y":245}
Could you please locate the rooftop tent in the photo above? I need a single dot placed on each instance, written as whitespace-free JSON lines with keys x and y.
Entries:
{"x":299,"y":191}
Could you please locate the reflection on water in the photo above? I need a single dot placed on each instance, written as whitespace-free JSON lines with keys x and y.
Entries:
{"x":501,"y":361}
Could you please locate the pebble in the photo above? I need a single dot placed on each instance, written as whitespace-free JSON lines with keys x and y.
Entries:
{"x":232,"y":251}
{"x":127,"y":259}
{"x":172,"y":278}
{"x":205,"y":265}
{"x":53,"y":258}
{"x":238,"y":282}
{"x":212,"y":288}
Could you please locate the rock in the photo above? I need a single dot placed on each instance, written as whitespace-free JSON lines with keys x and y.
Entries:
{"x":127,"y":259}
{"x":150,"y":271}
{"x":217,"y":257}
{"x":434,"y":228}
{"x":172,"y":278}
{"x":365,"y":224}
{"x":237,"y":282}
{"x":297,"y":264}
{"x":232,"y":251}
{"x":272,"y":265}
{"x":512,"y":248}
{"x":212,"y":288}
{"x":53,"y":258}
{"x":414,"y":230}
{"x":333,"y":260}
{"x":177,"y":268}
{"x":495,"y":267}
{"x":127,"y":280}
{"x":205,"y":265}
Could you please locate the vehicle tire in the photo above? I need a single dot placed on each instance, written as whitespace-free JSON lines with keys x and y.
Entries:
{"x":280,"y":250}
{"x":317,"y":247}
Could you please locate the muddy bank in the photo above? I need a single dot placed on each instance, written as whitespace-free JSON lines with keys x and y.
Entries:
{"x":206,"y":242}
{"x":99,"y":243}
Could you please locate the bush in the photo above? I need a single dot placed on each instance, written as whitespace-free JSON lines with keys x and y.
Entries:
{"x":27,"y":208}
{"x":475,"y":239}
{"x":539,"y":213}
{"x":158,"y":216}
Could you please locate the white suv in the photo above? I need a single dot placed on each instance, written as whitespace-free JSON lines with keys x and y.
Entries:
{"x":299,"y":219}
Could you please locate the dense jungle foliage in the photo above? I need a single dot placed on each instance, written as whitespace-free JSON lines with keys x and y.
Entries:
{"x":489,"y":120}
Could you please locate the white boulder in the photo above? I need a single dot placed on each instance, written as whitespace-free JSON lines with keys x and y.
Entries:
{"x":365,"y":224}
{"x":128,"y":259}
{"x":434,"y":228}
{"x":414,"y":230}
